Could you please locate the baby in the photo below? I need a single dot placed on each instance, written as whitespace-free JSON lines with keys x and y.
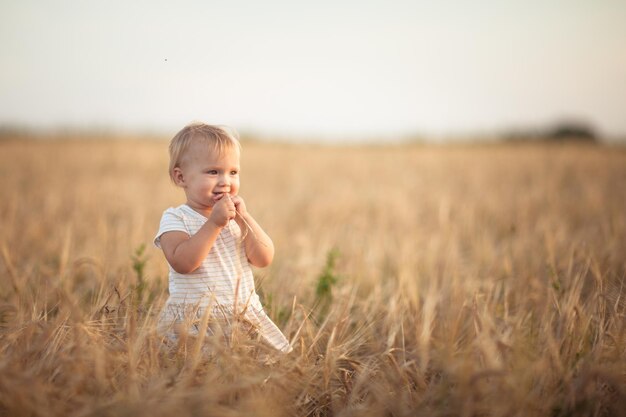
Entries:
{"x":211,"y":240}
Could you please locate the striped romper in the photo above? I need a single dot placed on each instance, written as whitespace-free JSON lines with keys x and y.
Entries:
{"x":223,"y":282}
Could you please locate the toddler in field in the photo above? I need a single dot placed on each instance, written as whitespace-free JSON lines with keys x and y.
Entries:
{"x":211,"y":240}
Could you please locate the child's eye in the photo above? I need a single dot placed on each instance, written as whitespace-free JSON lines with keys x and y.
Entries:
{"x":234,"y":172}
{"x":212,"y":172}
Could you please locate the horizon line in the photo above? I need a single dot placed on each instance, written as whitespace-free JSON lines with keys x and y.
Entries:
{"x":511,"y":133}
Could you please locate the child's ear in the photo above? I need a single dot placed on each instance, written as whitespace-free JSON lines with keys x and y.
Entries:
{"x":179,"y":179}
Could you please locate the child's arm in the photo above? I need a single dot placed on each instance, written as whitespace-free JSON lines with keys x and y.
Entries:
{"x":185,"y":253}
{"x":259,"y":246}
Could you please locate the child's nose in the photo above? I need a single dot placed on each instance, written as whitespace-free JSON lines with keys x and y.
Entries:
{"x":224,"y":180}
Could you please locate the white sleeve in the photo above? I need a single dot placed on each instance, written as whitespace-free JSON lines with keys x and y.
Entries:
{"x":172,"y":220}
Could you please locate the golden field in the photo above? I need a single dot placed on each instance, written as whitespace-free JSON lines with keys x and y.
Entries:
{"x":461,"y":280}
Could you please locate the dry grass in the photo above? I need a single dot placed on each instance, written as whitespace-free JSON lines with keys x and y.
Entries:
{"x":472,"y":281}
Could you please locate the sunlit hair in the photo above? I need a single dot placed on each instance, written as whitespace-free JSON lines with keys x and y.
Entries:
{"x":217,"y":138}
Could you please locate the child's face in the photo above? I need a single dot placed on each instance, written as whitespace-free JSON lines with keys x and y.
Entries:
{"x":206,"y":176}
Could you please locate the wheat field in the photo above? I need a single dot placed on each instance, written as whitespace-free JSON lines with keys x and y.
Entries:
{"x":412,"y":280}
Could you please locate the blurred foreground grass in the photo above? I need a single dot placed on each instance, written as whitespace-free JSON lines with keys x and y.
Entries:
{"x":457,"y":280}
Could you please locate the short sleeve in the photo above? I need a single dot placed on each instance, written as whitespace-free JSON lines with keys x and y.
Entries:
{"x":172,"y":220}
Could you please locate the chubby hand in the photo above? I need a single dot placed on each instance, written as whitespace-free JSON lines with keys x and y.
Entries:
{"x":223,"y":211}
{"x":240,"y":205}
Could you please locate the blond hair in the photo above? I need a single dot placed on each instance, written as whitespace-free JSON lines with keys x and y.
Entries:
{"x":217,"y":138}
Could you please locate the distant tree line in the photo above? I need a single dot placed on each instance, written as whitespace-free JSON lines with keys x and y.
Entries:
{"x":559,"y":132}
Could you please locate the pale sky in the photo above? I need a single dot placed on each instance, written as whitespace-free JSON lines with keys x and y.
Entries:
{"x":328,"y":68}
